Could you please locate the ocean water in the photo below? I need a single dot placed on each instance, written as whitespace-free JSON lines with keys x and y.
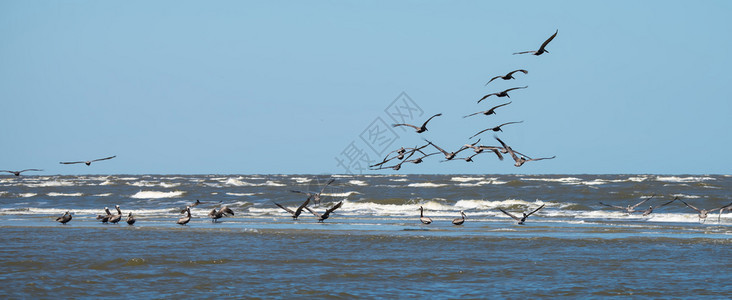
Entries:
{"x":374,"y":246}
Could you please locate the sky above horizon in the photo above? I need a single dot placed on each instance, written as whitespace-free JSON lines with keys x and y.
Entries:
{"x":312,"y":87}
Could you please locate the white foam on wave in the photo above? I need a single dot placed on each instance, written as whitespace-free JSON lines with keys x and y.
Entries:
{"x":480,"y":183}
{"x":684,"y":196}
{"x":103,"y":195}
{"x":54,"y":183}
{"x":54,"y":194}
{"x":344,"y":194}
{"x":565,"y":180}
{"x":237,"y":182}
{"x":156,"y":194}
{"x":398,"y":179}
{"x":358,"y":182}
{"x":466,"y":179}
{"x":107,"y":182}
{"x":241,"y":194}
{"x":426,"y":185}
{"x":301,"y":179}
{"x":689,"y":179}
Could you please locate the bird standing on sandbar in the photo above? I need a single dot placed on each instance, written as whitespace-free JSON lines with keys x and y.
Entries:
{"x":88,"y":162}
{"x":65,"y":218}
{"x":420,"y":129}
{"x":422,"y":218}
{"x":522,"y":219}
{"x":114,"y":219}
{"x":502,"y":93}
{"x":186,"y":219}
{"x":105,"y":218}
{"x":131,"y":219}
{"x":542,"y":49}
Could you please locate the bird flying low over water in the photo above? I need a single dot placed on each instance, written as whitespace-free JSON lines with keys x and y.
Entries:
{"x":630,"y":208}
{"x":420,"y":129}
{"x":704,"y":212}
{"x":17,"y":173}
{"x":327,"y":212}
{"x":520,"y":160}
{"x":651,"y":208}
{"x":316,"y":196}
{"x":542,"y":49}
{"x":448,"y":155}
{"x":496,"y":129}
{"x":65,"y":218}
{"x":491,"y":111}
{"x":502,"y":93}
{"x":507,"y":76}
{"x":522,"y":219}
{"x":296,"y":213}
{"x":216,"y":215}
{"x":88,"y":162}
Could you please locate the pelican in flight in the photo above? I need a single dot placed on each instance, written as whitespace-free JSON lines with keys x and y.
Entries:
{"x":507,"y":76}
{"x":216,"y":215}
{"x":422,"y":218}
{"x":448,"y":155}
{"x":631,"y":208}
{"x":296,"y":213}
{"x":421,"y":129}
{"x":491,"y":111}
{"x":17,"y":173}
{"x":316,"y":196}
{"x":131,"y":219}
{"x":327,"y":212}
{"x":461,"y":220}
{"x":704,"y":212}
{"x":88,"y":162}
{"x":522,"y":219}
{"x":186,"y":219}
{"x":105,"y":218}
{"x":542,"y":49}
{"x":520,"y":160}
{"x":65,"y":218}
{"x":726,"y":207}
{"x":651,"y":208}
{"x":496,"y":129}
{"x":503,"y":93}
{"x":114,"y":219}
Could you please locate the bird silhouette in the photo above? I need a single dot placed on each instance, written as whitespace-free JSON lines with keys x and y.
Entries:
{"x":87,"y":162}
{"x":420,"y":129}
{"x":491,"y":111}
{"x":17,"y":173}
{"x":496,"y":129}
{"x":542,"y":49}
{"x":522,"y":219}
{"x":507,"y":76}
{"x":502,"y":93}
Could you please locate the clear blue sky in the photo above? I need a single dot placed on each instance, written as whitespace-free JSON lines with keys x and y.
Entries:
{"x":235,"y":87}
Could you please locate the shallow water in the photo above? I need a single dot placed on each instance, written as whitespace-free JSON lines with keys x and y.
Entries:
{"x":374,"y":246}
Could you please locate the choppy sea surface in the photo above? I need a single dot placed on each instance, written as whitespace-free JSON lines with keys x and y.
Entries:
{"x":374,"y":246}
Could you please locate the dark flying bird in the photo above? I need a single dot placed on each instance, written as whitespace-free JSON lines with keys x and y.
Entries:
{"x":448,"y":155}
{"x":651,"y":208}
{"x":88,"y":162}
{"x":542,"y":49}
{"x":296,"y":213}
{"x":520,"y":160}
{"x":65,"y":218}
{"x":496,"y":129}
{"x":630,"y":208}
{"x":491,"y":111}
{"x":521,"y":220}
{"x":726,"y":207}
{"x":507,"y":76}
{"x":131,"y":219}
{"x":418,"y":160}
{"x":186,"y":219}
{"x":216,"y":215}
{"x":703,"y":212}
{"x":503,"y":93}
{"x":422,"y":218}
{"x":461,"y":220}
{"x":316,"y":196}
{"x":17,"y":173}
{"x":421,"y":129}
{"x":327,"y":212}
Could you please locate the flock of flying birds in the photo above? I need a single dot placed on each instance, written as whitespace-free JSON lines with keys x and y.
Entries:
{"x":404,"y":155}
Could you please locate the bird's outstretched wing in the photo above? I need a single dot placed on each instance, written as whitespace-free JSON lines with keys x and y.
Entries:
{"x":644,"y":201}
{"x":312,"y":212}
{"x":540,"y":207}
{"x":510,"y":214}
{"x":690,"y":206}
{"x":613,"y":206}
{"x":302,"y":206}
{"x":410,"y":125}
{"x":543,"y":45}
{"x":285,"y":208}
{"x":106,"y":158}
{"x":486,"y":96}
{"x":519,"y":70}
{"x":494,"y":78}
{"x":479,"y":132}
{"x":425,"y":122}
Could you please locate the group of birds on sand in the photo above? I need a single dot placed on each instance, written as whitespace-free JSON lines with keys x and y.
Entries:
{"x":86,"y":162}
{"x":108,"y":217}
{"x":703,"y":213}
{"x":404,"y":155}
